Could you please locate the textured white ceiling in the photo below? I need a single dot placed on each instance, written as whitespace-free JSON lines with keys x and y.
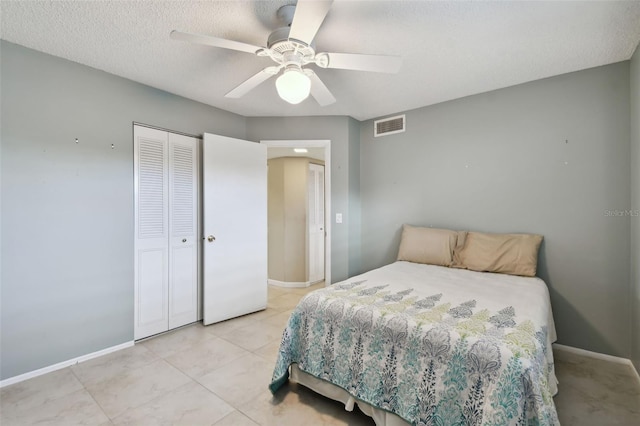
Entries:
{"x":450,"y":49}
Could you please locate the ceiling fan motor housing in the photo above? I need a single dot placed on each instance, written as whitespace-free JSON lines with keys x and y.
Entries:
{"x":284,"y":50}
{"x":279,"y":41}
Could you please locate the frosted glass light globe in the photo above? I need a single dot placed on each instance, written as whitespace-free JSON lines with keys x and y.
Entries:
{"x":293,"y":86}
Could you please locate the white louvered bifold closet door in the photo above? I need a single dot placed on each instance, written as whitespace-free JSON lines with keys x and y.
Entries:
{"x":166,"y":227}
{"x":151,"y":232}
{"x":183,"y":227}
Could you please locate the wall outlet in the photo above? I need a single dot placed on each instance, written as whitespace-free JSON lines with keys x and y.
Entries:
{"x":338,"y":217}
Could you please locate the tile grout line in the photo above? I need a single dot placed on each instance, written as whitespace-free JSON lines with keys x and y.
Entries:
{"x":231,"y":404}
{"x":159,"y":359}
{"x":90,"y":394}
{"x":249,"y":350}
{"x":220,"y":398}
{"x":210,"y":337}
{"x":240,"y":412}
{"x":215,"y":369}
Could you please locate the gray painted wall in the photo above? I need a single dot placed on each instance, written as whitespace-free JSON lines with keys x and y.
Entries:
{"x":335,"y":129}
{"x":67,"y":208}
{"x":635,"y":206}
{"x":498,"y":162}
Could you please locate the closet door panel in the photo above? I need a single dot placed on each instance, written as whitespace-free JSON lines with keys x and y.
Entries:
{"x":152,"y":295}
{"x":151,"y":192}
{"x":184,"y":294}
{"x":183,"y":227}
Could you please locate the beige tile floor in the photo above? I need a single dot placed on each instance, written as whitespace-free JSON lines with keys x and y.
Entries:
{"x":218,"y":375}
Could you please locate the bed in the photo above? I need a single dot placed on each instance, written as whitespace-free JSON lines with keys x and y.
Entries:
{"x":427,"y":345}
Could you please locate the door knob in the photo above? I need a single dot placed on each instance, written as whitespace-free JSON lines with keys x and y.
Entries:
{"x":184,"y":240}
{"x":211,"y":238}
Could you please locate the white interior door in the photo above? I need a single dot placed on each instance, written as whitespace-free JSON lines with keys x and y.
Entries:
{"x":316,"y":222}
{"x":183,"y":227}
{"x":151,"y":191}
{"x":235,"y":227}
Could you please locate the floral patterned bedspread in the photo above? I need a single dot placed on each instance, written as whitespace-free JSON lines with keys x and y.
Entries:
{"x":434,"y":345}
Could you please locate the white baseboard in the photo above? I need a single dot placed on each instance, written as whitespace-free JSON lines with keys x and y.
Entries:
{"x":597,"y":355}
{"x":63,"y":364}
{"x":288,"y":284}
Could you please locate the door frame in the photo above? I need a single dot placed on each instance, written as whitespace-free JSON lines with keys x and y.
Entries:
{"x":316,"y":143}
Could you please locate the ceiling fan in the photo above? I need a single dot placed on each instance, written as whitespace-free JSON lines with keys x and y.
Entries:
{"x":291,"y":47}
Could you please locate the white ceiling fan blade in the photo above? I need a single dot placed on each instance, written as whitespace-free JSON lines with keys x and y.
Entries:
{"x":352,"y":61}
{"x":214,"y":41}
{"x":252,"y":82}
{"x":308,"y":18}
{"x":318,"y":90}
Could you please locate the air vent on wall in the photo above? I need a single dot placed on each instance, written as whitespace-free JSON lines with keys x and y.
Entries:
{"x":389,"y":126}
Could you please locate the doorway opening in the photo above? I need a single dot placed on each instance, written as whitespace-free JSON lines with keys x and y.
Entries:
{"x":318,"y":152}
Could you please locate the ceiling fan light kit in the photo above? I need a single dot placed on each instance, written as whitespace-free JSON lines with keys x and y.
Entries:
{"x":293,"y":86}
{"x":291,"y":48}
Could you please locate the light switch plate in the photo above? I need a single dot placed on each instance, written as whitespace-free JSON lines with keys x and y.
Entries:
{"x":338,"y":217}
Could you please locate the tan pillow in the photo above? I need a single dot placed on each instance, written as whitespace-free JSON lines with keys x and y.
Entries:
{"x":515,"y":254}
{"x":427,"y":245}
